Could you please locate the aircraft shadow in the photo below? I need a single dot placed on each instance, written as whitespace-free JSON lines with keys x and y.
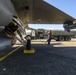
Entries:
{"x":65,"y":52}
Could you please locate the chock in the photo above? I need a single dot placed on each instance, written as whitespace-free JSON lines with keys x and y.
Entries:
{"x":29,"y":51}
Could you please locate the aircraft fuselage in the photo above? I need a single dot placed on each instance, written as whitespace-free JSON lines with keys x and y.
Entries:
{"x":7,"y":12}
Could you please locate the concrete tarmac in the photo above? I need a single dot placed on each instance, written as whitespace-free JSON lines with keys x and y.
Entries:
{"x":59,"y":58}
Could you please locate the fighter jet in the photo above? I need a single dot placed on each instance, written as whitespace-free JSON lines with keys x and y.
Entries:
{"x":15,"y":15}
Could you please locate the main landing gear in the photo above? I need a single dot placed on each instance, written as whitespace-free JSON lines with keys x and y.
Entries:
{"x":28,"y":48}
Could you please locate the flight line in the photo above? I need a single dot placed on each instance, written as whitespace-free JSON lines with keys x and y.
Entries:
{"x":47,"y":60}
{"x":8,"y":54}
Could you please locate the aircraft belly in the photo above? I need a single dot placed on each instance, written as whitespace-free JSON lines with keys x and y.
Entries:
{"x":7,"y":12}
{"x":38,"y":11}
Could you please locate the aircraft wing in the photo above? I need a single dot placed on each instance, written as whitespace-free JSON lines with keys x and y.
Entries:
{"x":38,"y":11}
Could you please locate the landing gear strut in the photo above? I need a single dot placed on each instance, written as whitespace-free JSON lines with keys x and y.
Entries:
{"x":28,"y":46}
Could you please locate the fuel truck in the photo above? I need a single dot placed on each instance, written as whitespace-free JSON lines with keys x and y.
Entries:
{"x":58,"y":35}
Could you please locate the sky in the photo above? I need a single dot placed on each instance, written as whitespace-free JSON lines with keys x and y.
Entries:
{"x":67,"y":6}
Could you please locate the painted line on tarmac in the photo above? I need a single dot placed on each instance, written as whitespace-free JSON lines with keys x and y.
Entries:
{"x":2,"y":58}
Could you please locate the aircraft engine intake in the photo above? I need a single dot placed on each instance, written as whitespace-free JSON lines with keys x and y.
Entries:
{"x":66,"y":27}
{"x":69,"y":25}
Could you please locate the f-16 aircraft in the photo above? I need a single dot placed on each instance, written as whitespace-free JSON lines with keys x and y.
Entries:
{"x":15,"y":15}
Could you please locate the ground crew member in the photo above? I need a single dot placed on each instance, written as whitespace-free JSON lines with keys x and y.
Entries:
{"x":49,"y":37}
